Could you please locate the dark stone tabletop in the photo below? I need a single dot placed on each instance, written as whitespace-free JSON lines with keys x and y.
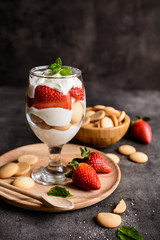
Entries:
{"x":139,"y":186}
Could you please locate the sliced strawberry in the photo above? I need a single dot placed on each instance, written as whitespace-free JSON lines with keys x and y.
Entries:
{"x":86,"y":177}
{"x":46,"y":97}
{"x":47,"y":94}
{"x":77,"y":93}
{"x":30,"y":101}
{"x":64,"y":104}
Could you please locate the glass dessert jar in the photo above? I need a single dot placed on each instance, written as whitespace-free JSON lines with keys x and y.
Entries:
{"x":55,"y":108}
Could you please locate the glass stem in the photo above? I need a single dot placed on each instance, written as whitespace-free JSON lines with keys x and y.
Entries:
{"x":55,"y":165}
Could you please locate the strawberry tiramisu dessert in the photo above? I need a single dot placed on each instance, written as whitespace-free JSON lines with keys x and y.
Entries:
{"x":55,"y":103}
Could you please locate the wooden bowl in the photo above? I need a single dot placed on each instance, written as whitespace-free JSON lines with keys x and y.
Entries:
{"x":102,"y":137}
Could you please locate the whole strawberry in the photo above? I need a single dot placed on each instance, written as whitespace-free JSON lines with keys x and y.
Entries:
{"x":94,"y":159}
{"x":98,"y":163}
{"x":85,"y":177}
{"x":141,"y":130}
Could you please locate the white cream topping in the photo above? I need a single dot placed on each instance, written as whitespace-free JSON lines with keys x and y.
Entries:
{"x":52,"y":116}
{"x":53,"y":137}
{"x":55,"y":81}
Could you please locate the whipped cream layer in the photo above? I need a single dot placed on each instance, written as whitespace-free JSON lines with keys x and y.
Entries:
{"x":52,"y":116}
{"x":56,"y":81}
{"x":53,"y":137}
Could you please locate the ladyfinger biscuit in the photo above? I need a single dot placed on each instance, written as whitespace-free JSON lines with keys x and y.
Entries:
{"x":86,"y":121}
{"x":122,"y":116}
{"x":23,"y":168}
{"x":36,"y":119}
{"x":88,"y":108}
{"x":28,"y":158}
{"x":97,"y":116}
{"x":24,"y":182}
{"x":63,"y":128}
{"x":114,"y":120}
{"x":114,"y":157}
{"x":138,"y":157}
{"x":8,"y":170}
{"x":43,"y":125}
{"x":106,"y":122}
{"x":126,"y":149}
{"x":111,"y":111}
{"x":98,"y":107}
{"x":77,"y":112}
{"x":89,"y":113}
{"x":121,"y":207}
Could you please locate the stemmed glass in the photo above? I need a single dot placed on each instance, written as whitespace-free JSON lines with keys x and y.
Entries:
{"x":55,"y":115}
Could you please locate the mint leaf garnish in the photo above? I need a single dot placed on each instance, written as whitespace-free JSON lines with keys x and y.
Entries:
{"x":54,"y":67}
{"x":57,"y":68}
{"x":129,"y":233}
{"x":66,"y":71}
{"x":122,"y":236}
{"x":59,"y":62}
{"x":59,"y":192}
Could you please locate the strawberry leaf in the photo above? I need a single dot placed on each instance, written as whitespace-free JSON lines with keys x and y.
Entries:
{"x":85,"y":152}
{"x":146,"y":119}
{"x":69,"y":174}
{"x":138,"y":117}
{"x":76,"y":161}
{"x":59,"y":192}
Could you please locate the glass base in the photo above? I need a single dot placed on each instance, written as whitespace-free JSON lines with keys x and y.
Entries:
{"x":45,"y":176}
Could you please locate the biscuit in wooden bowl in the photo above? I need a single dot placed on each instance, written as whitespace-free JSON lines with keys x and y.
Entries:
{"x":106,"y":126}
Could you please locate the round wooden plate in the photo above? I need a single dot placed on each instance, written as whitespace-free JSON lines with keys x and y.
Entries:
{"x":81,"y":198}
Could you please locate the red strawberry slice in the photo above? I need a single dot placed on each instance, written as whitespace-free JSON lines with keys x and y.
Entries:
{"x":77,"y":93}
{"x":142,"y":131}
{"x":46,"y":97}
{"x":47,"y":94}
{"x":86,"y":177}
{"x":98,"y":163}
{"x":30,"y":101}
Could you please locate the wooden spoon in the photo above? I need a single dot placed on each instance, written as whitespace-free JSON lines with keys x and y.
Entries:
{"x":49,"y":201}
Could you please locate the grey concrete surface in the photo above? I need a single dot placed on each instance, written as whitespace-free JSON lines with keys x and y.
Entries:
{"x":139,"y":186}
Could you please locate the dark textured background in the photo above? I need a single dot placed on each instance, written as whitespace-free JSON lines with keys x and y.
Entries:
{"x":116,"y":43}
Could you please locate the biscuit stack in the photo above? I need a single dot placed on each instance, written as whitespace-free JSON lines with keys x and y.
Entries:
{"x":101,"y":116}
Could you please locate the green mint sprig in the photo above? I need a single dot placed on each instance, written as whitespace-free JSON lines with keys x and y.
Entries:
{"x":66,"y":71}
{"x":59,"y":192}
{"x":57,"y":68}
{"x":129,"y":233}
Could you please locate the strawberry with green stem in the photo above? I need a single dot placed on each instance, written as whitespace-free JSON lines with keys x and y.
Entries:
{"x":141,"y":130}
{"x":84,"y":176}
{"x":94,"y":159}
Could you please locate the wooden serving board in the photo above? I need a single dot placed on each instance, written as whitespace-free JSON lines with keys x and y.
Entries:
{"x":81,"y":198}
